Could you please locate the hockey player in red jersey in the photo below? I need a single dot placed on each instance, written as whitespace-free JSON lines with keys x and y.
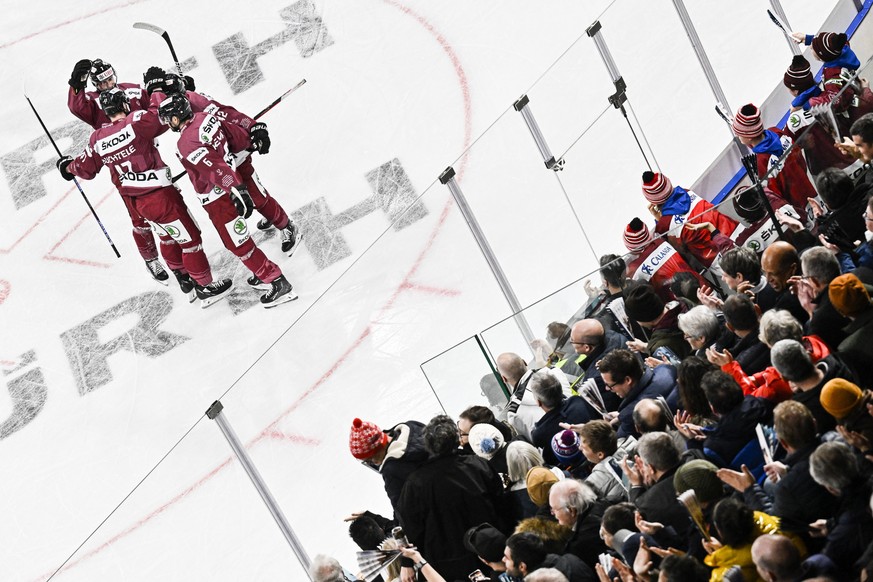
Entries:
{"x":654,"y":259}
{"x":786,"y":178}
{"x":85,"y":105}
{"x":760,"y":232}
{"x":678,"y":211}
{"x":205,"y":147}
{"x":158,"y":80}
{"x":126,"y":146}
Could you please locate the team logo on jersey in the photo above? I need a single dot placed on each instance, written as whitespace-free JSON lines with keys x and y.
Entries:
{"x":115,"y":141}
{"x":208,"y":128}
{"x":197,"y":155}
{"x":172,"y":230}
{"x":754,"y":245}
{"x":238,"y":230}
{"x":240,"y":226}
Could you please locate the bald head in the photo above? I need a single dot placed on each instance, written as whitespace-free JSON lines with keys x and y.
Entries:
{"x":778,"y":263}
{"x":586,"y":335}
{"x":776,"y":558}
{"x":512,"y":367}
{"x":649,"y":416}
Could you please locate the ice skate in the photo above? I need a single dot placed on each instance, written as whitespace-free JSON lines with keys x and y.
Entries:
{"x":281,"y":292}
{"x":256,"y":283}
{"x":264,"y":224}
{"x":215,"y":291}
{"x":156,"y":270}
{"x":290,"y":238}
{"x":186,"y":284}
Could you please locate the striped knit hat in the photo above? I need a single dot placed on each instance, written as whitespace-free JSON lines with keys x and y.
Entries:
{"x":637,"y":235}
{"x":748,"y":122}
{"x":365,"y":439}
{"x":829,"y":45}
{"x":656,"y":187}
{"x":798,"y":76}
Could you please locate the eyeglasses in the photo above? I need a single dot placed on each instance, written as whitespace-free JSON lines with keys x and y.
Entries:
{"x":555,"y":510}
{"x":613,"y":385}
{"x":868,"y":218}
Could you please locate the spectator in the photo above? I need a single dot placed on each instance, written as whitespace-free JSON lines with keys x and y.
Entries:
{"x":736,"y":527}
{"x":488,"y":543}
{"x":474,"y":415}
{"x":546,"y":575}
{"x":523,"y":411}
{"x":565,"y":446}
{"x":652,"y":482}
{"x":741,"y":271}
{"x":651,"y":416}
{"x":591,"y":342}
{"x":666,"y":340}
{"x":835,"y":467}
{"x":549,"y":396}
{"x":851,"y":298}
{"x":539,"y":482}
{"x":598,"y":443}
{"x":840,"y":223}
{"x":820,"y":267}
{"x":624,"y":375}
{"x":487,"y":443}
{"x":682,"y":569}
{"x":700,"y":328}
{"x":701,"y":477}
{"x":692,"y":400}
{"x":523,"y":554}
{"x":741,"y":317}
{"x":521,"y":457}
{"x":445,"y":497}
{"x":776,"y":559}
{"x":806,"y":379}
{"x":574,"y":505}
{"x":327,"y":569}
{"x":779,"y":263}
{"x":850,"y":406}
{"x":617,"y":526}
{"x":797,"y":500}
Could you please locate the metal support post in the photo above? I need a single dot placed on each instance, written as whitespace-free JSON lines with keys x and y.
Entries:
{"x":619,"y":98}
{"x":215,"y":413}
{"x":711,"y":78}
{"x":523,"y":107}
{"x":447,"y":178}
{"x":776,"y":5}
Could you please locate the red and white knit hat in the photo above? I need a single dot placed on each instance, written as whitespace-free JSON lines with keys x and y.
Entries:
{"x":798,"y":76}
{"x":365,"y":439}
{"x":636,"y":236}
{"x":829,"y":45}
{"x":656,"y":187}
{"x":748,"y":122}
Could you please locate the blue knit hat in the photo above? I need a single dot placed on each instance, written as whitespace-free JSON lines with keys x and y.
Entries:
{"x":565,"y":445}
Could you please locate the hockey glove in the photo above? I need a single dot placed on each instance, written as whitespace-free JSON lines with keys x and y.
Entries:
{"x":189,"y":83}
{"x":242,"y":200}
{"x":62,"y":164}
{"x":79,"y":76}
{"x":154,"y":80}
{"x":260,"y":138}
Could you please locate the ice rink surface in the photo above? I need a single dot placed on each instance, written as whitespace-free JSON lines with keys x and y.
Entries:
{"x":111,"y":471}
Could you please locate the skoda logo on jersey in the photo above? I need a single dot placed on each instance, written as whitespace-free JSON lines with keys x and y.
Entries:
{"x":240,"y":227}
{"x":754,"y":245}
{"x":172,"y":231}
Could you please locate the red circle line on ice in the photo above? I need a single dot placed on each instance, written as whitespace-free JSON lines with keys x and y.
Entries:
{"x":405,"y":285}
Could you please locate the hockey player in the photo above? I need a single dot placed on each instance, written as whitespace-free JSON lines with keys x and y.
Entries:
{"x":757,"y":230}
{"x":142,"y":178}
{"x":85,"y":105}
{"x":786,"y":178}
{"x":680,"y":214}
{"x":158,"y":80}
{"x":817,"y":143}
{"x":654,"y":260}
{"x":205,"y":148}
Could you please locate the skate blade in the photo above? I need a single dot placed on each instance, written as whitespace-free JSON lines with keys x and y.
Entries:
{"x":261,"y":287}
{"x":204,"y":303}
{"x":192,"y":296}
{"x":165,"y":282}
{"x":290,"y":296}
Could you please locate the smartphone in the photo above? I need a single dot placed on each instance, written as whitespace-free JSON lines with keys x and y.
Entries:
{"x":477,"y":576}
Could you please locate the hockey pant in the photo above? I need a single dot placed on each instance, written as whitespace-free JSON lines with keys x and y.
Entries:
{"x":142,"y":232}
{"x":181,"y":245}
{"x":234,"y":233}
{"x":265,"y":204}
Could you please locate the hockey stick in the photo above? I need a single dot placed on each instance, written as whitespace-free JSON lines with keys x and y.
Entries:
{"x":749,"y":163}
{"x":791,"y":42}
{"x":82,"y":192}
{"x":166,"y":36}
{"x":258,"y":115}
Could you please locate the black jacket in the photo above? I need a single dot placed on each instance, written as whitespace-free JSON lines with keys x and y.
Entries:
{"x":751,"y":353}
{"x":658,"y":503}
{"x":405,"y":454}
{"x":826,"y":322}
{"x":585,"y":542}
{"x":735,"y":429}
{"x":658,"y":381}
{"x":573,"y":410}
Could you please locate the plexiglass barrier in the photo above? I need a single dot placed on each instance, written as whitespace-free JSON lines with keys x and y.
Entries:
{"x":419,"y":288}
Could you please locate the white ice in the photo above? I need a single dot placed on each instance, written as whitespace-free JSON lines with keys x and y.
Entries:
{"x":134,"y":461}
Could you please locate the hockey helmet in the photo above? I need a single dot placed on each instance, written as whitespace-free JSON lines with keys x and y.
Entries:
{"x":113,"y":101}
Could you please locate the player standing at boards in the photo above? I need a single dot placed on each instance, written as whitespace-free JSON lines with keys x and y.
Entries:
{"x":156,"y":79}
{"x":85,"y":105}
{"x":206,"y":148}
{"x":126,"y":146}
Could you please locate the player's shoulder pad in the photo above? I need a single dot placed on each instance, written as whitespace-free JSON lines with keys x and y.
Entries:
{"x":209,"y":128}
{"x":197,"y":155}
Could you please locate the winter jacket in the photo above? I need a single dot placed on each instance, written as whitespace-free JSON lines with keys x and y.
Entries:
{"x":851,"y":529}
{"x":684,"y":206}
{"x":833,"y":367}
{"x":787,"y":179}
{"x":735,"y":429}
{"x":726,"y":557}
{"x":654,"y":382}
{"x":405,"y":454}
{"x":658,"y":503}
{"x":441,"y":500}
{"x":523,"y":417}
{"x":573,"y":410}
{"x":666,"y":339}
{"x":826,"y":322}
{"x":585,"y":541}
{"x":751,"y":353}
{"x":657,"y":263}
{"x":603,"y":480}
{"x":859,"y":336}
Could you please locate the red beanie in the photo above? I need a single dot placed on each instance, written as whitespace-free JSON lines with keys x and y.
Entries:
{"x":748,"y":122}
{"x":636,"y":236}
{"x":829,"y":45}
{"x":656,"y":187}
{"x":798,"y":76}
{"x":366,"y":439}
